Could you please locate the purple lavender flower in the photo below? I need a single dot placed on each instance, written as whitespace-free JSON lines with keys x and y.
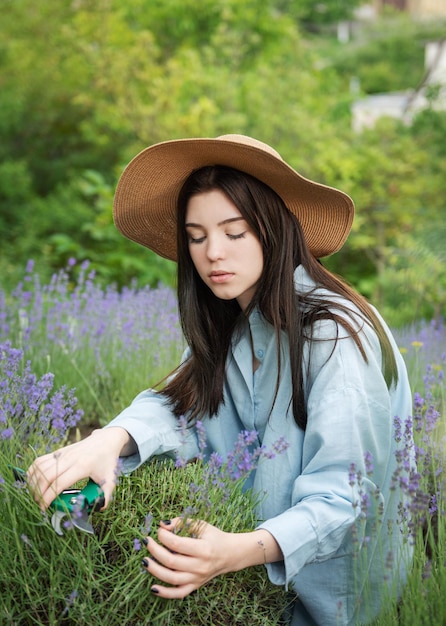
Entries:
{"x":219,"y":475}
{"x":352,"y":474}
{"x":7,"y":433}
{"x":201,"y":433}
{"x":90,"y":330}
{"x":365,"y":504}
{"x":145,"y":530}
{"x":69,"y":602}
{"x":433,"y":508}
{"x":280,"y":445}
{"x":418,"y":401}
{"x":389,"y":563}
{"x":420,"y":466}
{"x":148,"y":523}
{"x":136,"y":545}
{"x":368,"y":460}
{"x":30,"y":411}
{"x":397,"y":428}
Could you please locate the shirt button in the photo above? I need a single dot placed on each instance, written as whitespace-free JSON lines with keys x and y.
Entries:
{"x":260,"y":353}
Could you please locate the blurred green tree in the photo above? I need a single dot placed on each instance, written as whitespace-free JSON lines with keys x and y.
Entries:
{"x":85,"y":85}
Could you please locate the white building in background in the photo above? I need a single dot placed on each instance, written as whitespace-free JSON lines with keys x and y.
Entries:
{"x":404,"y":105}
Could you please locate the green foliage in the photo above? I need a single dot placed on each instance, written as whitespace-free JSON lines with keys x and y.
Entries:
{"x":85,"y":85}
{"x":389,"y":55}
{"x":413,"y":282}
{"x":255,"y":26}
{"x":15,"y":191}
{"x":393,"y":214}
{"x":316,"y":15}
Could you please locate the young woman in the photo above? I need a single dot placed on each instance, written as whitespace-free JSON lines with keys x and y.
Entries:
{"x":276,"y":344}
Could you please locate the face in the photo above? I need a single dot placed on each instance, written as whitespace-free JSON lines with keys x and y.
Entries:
{"x":225,"y":251}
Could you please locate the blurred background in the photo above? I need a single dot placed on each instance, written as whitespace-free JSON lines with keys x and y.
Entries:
{"x":352,"y":94}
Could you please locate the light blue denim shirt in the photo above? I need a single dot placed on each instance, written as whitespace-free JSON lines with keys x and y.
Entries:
{"x":339,"y":562}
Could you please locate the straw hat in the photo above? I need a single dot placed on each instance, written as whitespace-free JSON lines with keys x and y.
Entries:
{"x":145,"y":204}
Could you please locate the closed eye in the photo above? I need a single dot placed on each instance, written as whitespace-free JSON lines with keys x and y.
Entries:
{"x":239,"y":236}
{"x":196,"y":239}
{"x":229,"y":236}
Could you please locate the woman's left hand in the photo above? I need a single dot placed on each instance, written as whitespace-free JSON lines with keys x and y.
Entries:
{"x":187,"y":563}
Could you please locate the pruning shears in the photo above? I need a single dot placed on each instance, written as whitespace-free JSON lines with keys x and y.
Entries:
{"x":74,"y":504}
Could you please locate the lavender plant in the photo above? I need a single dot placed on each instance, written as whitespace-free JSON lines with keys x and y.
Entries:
{"x":213,"y":492}
{"x":424,"y":486}
{"x":105,"y":343}
{"x":31,"y":412}
{"x":222,"y":478}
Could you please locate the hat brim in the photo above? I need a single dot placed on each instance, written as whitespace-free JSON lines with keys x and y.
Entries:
{"x":145,"y":203}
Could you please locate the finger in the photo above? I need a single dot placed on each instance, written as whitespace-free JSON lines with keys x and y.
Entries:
{"x":67,"y":479}
{"x":170,"y":524}
{"x":169,"y":576}
{"x":178,"y":544}
{"x":37,"y":469}
{"x":173,"y":593}
{"x":47,"y":486}
{"x":180,"y":583}
{"x":107,"y":487}
{"x":171,"y":559}
{"x":54,"y":472}
{"x":186,"y":527}
{"x":41,"y":478}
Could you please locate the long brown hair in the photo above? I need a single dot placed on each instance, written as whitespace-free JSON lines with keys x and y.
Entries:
{"x":209,"y":323}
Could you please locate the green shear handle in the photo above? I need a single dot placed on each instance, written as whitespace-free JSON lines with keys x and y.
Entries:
{"x":76,"y":504}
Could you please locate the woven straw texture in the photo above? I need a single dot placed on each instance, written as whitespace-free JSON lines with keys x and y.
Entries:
{"x":145,"y":204}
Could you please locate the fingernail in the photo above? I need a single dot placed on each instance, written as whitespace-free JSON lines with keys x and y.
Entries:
{"x":154,"y":590}
{"x":145,"y":562}
{"x":145,"y":541}
{"x":167,"y":522}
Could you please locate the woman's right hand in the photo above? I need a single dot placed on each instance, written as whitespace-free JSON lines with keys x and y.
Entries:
{"x":94,"y":457}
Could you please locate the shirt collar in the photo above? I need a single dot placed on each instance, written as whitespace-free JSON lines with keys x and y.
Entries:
{"x":302,"y":280}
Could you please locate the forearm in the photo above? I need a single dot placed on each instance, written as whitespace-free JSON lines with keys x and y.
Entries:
{"x":120,"y":439}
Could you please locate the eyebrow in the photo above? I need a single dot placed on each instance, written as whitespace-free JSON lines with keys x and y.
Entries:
{"x":228,"y":221}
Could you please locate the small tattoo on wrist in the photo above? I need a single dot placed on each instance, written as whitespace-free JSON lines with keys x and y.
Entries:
{"x":262,"y":545}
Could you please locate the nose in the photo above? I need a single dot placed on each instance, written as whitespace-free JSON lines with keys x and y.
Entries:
{"x":215,"y":248}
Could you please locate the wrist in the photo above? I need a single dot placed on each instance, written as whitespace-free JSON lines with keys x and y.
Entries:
{"x":117,"y":439}
{"x":257,"y":547}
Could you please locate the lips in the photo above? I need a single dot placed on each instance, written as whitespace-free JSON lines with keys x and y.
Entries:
{"x":220,"y":276}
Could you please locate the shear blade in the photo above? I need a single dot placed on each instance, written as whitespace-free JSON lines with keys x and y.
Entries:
{"x":56,"y":521}
{"x":82,"y":523}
